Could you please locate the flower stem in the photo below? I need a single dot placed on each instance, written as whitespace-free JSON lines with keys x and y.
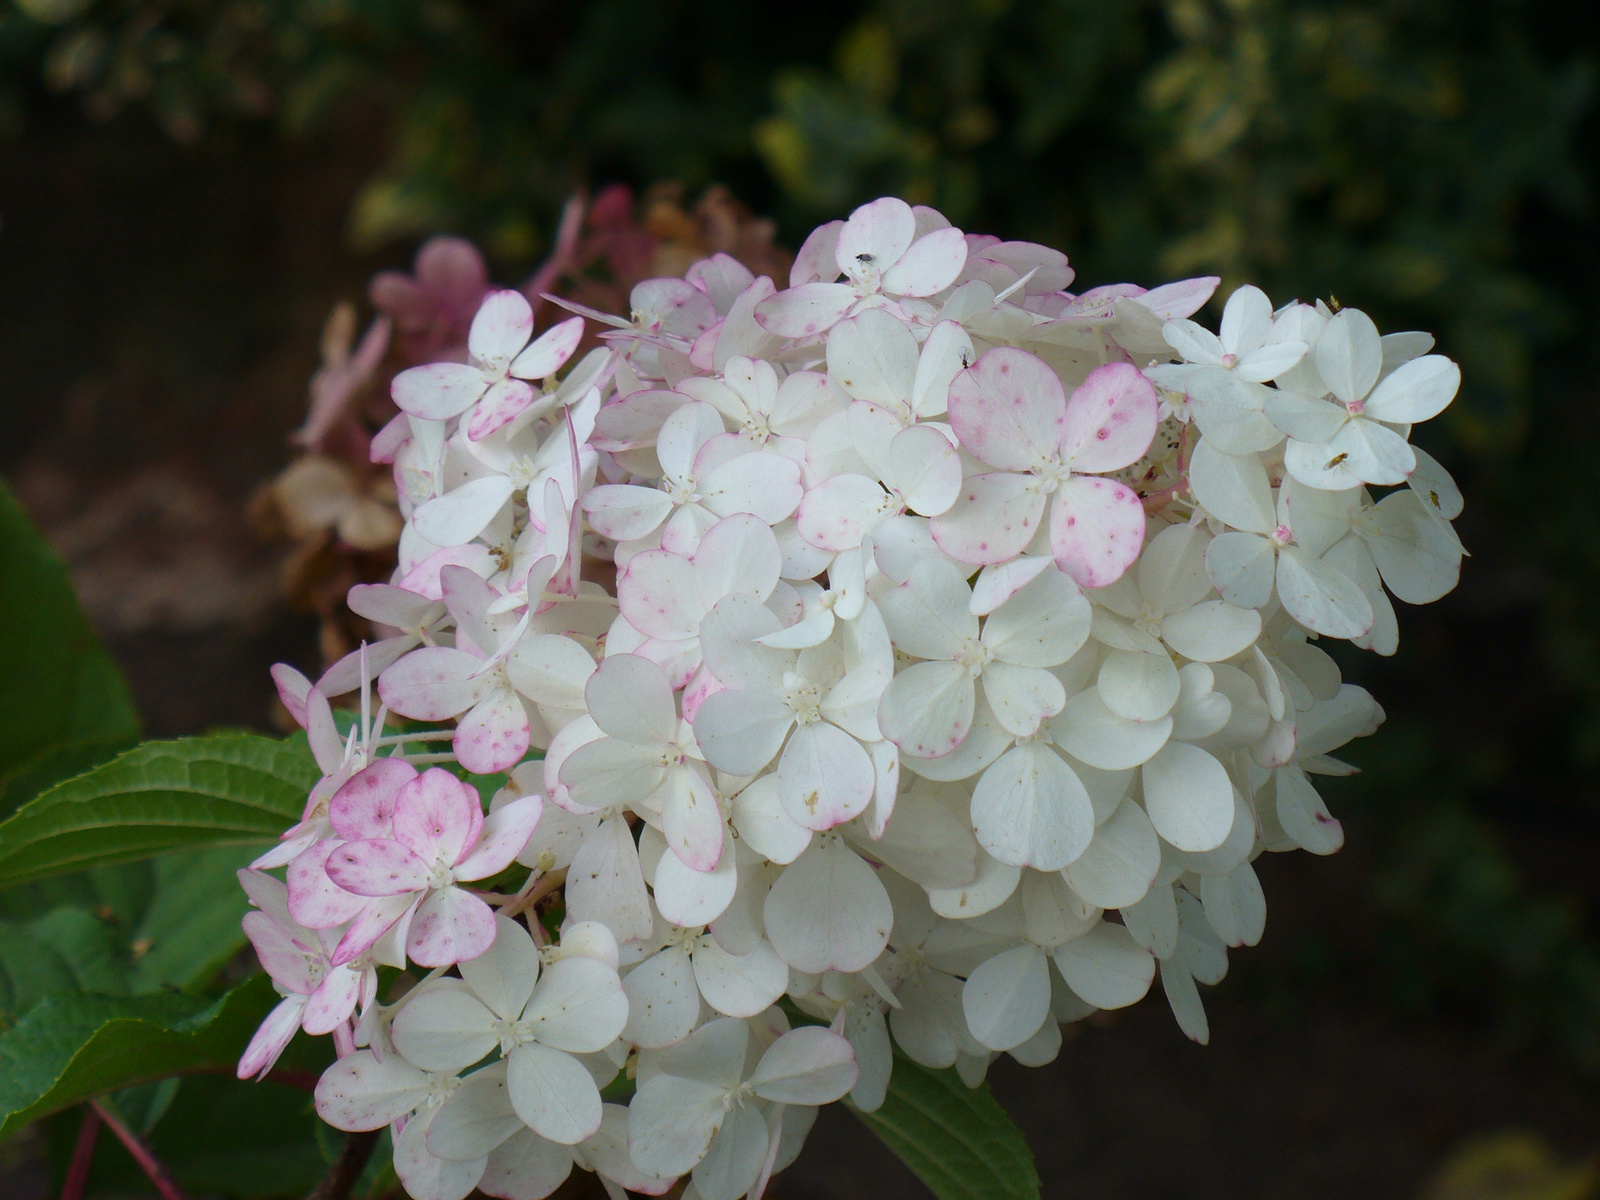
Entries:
{"x":342,"y":1176}
{"x":148,"y":1162}
{"x":82,"y":1156}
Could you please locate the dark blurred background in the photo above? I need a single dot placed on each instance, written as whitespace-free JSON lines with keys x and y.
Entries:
{"x":187,"y":187}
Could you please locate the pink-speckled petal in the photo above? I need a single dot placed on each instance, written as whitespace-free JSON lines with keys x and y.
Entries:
{"x":1111,"y":419}
{"x":1096,"y":529}
{"x":494,"y":735}
{"x":438,"y":817}
{"x":451,"y":926}
{"x":499,"y":407}
{"x":502,"y":327}
{"x":994,"y":517}
{"x":377,"y":867}
{"x":364,"y":806}
{"x":1009,"y":409}
{"x":315,"y":900}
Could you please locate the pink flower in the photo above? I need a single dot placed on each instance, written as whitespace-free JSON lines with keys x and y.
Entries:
{"x":420,"y":839}
{"x":433,"y":308}
{"x":1010,"y":411}
{"x":317,"y":995}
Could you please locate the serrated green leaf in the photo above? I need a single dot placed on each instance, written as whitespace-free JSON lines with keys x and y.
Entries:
{"x":222,"y":789}
{"x":191,"y":928}
{"x":69,"y":1048}
{"x":64,"y":705}
{"x":956,"y":1139}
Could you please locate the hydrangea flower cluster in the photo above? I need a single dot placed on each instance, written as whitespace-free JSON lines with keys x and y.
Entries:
{"x":961,"y":658}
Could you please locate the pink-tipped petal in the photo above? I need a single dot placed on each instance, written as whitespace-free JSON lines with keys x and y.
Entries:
{"x":437,"y":817}
{"x":550,"y":350}
{"x":505,"y":832}
{"x":437,"y":391}
{"x":1009,"y":409}
{"x":1111,"y":419}
{"x":929,"y":266}
{"x":500,"y":405}
{"x":494,"y":735}
{"x":993,"y":519}
{"x":377,"y":867}
{"x":876,"y":236}
{"x":502,"y":327}
{"x":451,"y":926}
{"x":364,"y":806}
{"x":1096,"y":529}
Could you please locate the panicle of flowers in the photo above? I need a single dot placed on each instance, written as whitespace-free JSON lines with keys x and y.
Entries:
{"x":918,"y":655}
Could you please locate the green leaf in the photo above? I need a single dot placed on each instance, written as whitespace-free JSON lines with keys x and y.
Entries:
{"x":69,"y":1048}
{"x":957,"y":1140}
{"x":222,"y":789}
{"x":64,"y":705}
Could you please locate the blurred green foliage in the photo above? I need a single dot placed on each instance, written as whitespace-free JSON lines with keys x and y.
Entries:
{"x":1430,"y":160}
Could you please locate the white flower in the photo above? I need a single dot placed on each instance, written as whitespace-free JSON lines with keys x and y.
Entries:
{"x":1350,"y":440}
{"x":816,"y":705}
{"x":538,"y":1021}
{"x":706,"y":1111}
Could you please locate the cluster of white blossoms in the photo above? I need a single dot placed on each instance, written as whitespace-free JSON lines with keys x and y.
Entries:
{"x":960,"y":661}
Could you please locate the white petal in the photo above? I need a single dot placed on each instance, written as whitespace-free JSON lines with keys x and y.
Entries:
{"x":825,"y":778}
{"x":1188,"y":797}
{"x":1240,"y":565}
{"x":1233,"y":488}
{"x":1022,"y":698}
{"x":827,"y":911}
{"x":425,"y":1176}
{"x":1042,"y":624}
{"x":1029,"y":809}
{"x":1185,"y":1001}
{"x":1211,"y":631}
{"x":605,"y":883}
{"x":739,"y":985}
{"x":764,"y":826}
{"x":672,"y":1122}
{"x":873,"y":357}
{"x":503,"y":975}
{"x":663,"y":1000}
{"x":928,"y":615}
{"x":809,"y":1065}
{"x":359,"y":1092}
{"x":476,"y":1118}
{"x":1107,"y":967}
{"x":444,"y":1029}
{"x":1349,"y":354}
{"x":927,"y":708}
{"x":1088,"y":730}
{"x":739,"y":731}
{"x":1230,"y":411}
{"x":925,"y":469}
{"x":553,"y":1093}
{"x":461,"y":514}
{"x":1008,"y":997}
{"x":1052,"y":913}
{"x":1416,"y":553}
{"x":579,"y":1006}
{"x":1136,"y":686}
{"x":989,"y":889}
{"x":732,"y":1165}
{"x":1320,"y":597}
{"x":1235,"y":905}
{"x":1121,"y":862}
{"x":1302,"y":814}
{"x":931,"y":264}
{"x":688,"y":897}
{"x":1153,"y":922}
{"x":525,"y":1167}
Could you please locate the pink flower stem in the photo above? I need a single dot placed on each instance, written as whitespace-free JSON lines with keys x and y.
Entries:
{"x":82,"y":1156}
{"x":560,"y":260}
{"x":148,"y":1162}
{"x":344,"y":1041}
